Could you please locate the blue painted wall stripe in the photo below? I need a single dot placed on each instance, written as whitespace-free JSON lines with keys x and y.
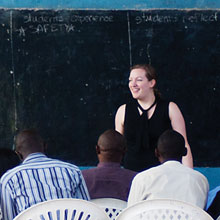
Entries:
{"x":112,"y":4}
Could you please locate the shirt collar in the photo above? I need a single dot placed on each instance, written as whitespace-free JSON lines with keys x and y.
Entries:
{"x":108,"y":164}
{"x":34,"y":156}
{"x":171,"y":162}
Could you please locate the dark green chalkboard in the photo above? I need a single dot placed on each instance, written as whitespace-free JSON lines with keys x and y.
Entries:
{"x":65,"y":73}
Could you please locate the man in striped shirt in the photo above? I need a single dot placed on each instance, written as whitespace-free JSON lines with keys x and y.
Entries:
{"x":38,"y":178}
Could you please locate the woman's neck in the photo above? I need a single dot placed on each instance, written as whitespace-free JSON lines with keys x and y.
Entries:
{"x":147,"y":102}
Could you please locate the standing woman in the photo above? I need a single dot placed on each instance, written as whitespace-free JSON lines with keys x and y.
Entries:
{"x":144,"y":118}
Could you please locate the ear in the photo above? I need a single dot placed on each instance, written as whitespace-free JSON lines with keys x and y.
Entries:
{"x":152,"y":83}
{"x":97,"y":148}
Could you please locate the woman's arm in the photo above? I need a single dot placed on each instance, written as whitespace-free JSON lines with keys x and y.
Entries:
{"x":119,"y":119}
{"x":178,"y":124}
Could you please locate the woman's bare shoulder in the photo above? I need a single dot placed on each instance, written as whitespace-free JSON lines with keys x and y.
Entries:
{"x":119,"y":119}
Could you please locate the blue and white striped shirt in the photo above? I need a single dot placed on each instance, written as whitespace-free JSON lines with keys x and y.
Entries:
{"x":38,"y":179}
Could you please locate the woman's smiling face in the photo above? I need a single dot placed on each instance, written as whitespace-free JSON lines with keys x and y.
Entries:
{"x":139,"y":85}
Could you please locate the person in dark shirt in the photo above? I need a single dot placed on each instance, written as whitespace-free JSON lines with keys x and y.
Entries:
{"x":145,"y":117}
{"x":8,"y":159}
{"x":108,"y":179}
{"x":214,"y":208}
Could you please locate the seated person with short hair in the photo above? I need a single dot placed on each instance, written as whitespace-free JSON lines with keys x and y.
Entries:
{"x":171,"y":179}
{"x":38,"y":178}
{"x":108,"y":179}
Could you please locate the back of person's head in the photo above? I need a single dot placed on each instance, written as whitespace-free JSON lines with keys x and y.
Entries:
{"x":171,"y":146}
{"x":29,"y":141}
{"x":8,"y":160}
{"x":111,"y":146}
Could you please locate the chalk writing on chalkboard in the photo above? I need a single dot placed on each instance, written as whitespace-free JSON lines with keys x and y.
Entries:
{"x":37,"y":24}
{"x":73,"y":18}
{"x":196,"y":17}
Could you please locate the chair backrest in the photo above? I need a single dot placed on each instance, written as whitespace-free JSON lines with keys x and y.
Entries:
{"x":163,"y":209}
{"x":63,"y":209}
{"x":111,"y":206}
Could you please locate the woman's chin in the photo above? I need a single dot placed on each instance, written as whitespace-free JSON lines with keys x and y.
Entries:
{"x":135,"y":96}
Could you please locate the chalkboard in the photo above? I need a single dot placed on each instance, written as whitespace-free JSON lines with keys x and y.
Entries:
{"x":65,"y":72}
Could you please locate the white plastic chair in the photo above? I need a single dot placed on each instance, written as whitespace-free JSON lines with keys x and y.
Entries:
{"x":163,"y":209}
{"x":63,"y":209}
{"x":112,"y":207}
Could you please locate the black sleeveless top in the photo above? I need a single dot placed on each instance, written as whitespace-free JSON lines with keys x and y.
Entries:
{"x":140,"y":156}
